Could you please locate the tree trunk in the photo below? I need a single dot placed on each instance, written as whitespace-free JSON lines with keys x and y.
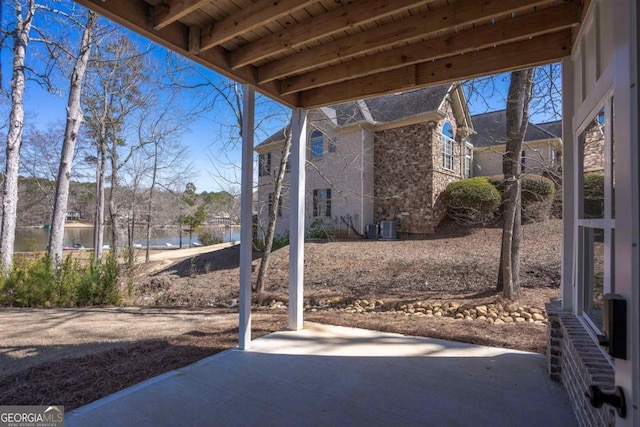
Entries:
{"x":517,"y":118}
{"x":115,"y":224}
{"x":113,"y":207}
{"x":14,"y":135}
{"x":150,"y":207}
{"x":273,"y":216}
{"x":74,"y":120}
{"x":98,"y":230}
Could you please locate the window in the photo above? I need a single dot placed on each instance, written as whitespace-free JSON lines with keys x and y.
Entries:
{"x":317,"y":145}
{"x":271,"y":197}
{"x":332,"y":146}
{"x":447,"y":146}
{"x":595,"y":226}
{"x":468,"y":160}
{"x":264,"y":164}
{"x":322,"y":202}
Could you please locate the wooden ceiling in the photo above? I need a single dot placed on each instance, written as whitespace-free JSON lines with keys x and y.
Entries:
{"x":310,"y":53}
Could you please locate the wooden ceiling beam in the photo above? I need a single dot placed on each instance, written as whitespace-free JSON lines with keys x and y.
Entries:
{"x":170,"y":11}
{"x":428,"y":23}
{"x":547,"y":20}
{"x":248,"y":19}
{"x":522,"y":54}
{"x":334,"y":21}
{"x":133,"y":14}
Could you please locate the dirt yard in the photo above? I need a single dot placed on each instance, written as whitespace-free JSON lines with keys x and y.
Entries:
{"x":73,"y":357}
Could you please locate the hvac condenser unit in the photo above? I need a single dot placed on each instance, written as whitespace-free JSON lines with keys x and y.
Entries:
{"x":373,"y":231}
{"x":388,"y":230}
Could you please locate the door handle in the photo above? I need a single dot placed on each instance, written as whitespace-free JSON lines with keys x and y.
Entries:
{"x":597,"y":398}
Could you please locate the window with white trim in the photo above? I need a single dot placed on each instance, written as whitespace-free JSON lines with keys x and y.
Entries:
{"x":264,"y":164}
{"x":316,"y":144}
{"x":322,"y":202}
{"x":447,"y":146}
{"x":596,"y":214}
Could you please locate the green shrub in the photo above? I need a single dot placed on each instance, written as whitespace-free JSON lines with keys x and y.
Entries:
{"x":319,"y":230}
{"x":555,"y":175}
{"x":538,"y":194}
{"x":30,"y":284}
{"x":108,"y":292}
{"x":280,"y":241}
{"x":207,"y":238}
{"x":471,"y":201}
{"x":87,"y":285}
{"x":67,"y":279}
{"x":593,"y":196}
{"x":41,"y":283}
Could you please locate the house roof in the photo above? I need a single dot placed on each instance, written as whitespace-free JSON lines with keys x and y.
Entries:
{"x":554,"y":128}
{"x":277,"y":136}
{"x":491,"y":129}
{"x":311,"y":53}
{"x":383,"y":109}
{"x":398,"y":106}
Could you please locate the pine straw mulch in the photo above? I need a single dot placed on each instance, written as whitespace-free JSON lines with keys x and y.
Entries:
{"x":453,"y":264}
{"x":74,"y":382}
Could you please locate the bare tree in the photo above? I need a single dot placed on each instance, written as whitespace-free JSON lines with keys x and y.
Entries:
{"x":532,"y":92}
{"x":273,"y":213}
{"x":517,"y":114}
{"x":21,"y":38}
{"x":72,"y":128}
{"x":229,"y":94}
{"x":164,"y":155}
{"x":119,"y":74}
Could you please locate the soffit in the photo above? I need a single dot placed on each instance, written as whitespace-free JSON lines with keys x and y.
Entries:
{"x":310,"y":53}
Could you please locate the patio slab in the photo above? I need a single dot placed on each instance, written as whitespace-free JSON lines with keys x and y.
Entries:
{"x":327,"y":375}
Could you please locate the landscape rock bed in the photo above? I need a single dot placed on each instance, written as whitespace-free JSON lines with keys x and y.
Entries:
{"x":499,"y":312}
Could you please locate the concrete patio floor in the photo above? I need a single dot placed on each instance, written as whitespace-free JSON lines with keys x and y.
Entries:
{"x":326,"y":375}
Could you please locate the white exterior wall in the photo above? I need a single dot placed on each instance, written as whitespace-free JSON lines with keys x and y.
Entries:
{"x":487,"y":161}
{"x":348,"y":172}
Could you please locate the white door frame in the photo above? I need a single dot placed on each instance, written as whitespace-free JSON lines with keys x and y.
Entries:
{"x":627,"y":262}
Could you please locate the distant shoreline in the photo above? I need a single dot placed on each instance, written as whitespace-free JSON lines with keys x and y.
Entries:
{"x":67,"y":225}
{"x":78,"y":225}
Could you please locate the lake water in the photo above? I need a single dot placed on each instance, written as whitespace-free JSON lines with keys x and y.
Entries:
{"x":37,"y":239}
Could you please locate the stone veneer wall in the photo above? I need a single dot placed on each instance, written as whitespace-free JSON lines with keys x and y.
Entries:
{"x":441,"y":176}
{"x":403,"y":184}
{"x":575,"y":360}
{"x":593,"y":150}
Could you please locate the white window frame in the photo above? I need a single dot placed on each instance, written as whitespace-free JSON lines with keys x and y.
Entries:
{"x":447,"y":143}
{"x":585,"y":226}
{"x":315,"y":137}
{"x":467,"y":161}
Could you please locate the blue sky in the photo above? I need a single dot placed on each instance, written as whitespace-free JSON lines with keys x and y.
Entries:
{"x":211,"y":151}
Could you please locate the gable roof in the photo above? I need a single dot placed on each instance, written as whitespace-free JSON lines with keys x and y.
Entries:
{"x":383,"y":109}
{"x":398,"y":106}
{"x":491,"y":129}
{"x":554,"y":128}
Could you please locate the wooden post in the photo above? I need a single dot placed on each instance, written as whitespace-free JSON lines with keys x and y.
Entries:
{"x":296,"y":234}
{"x":246,"y":215}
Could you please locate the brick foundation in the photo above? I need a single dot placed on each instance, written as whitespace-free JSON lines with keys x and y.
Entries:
{"x":577,"y":362}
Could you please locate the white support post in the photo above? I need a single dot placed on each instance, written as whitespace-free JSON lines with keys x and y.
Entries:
{"x":569,"y":187}
{"x":246,"y":215}
{"x":296,"y":234}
